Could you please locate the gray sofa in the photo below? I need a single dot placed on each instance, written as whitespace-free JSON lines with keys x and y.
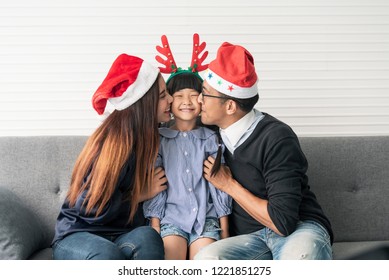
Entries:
{"x":349,"y":175}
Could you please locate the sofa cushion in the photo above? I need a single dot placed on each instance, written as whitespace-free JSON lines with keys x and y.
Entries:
{"x":349,"y":176}
{"x":44,"y":254}
{"x":20,"y":230}
{"x":362,"y":250}
{"x":38,"y":170}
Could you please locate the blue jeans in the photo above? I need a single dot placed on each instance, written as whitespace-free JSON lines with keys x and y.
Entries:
{"x":211,"y":230}
{"x":310,"y":241}
{"x":142,"y":243}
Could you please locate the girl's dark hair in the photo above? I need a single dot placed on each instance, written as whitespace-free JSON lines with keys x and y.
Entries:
{"x":189,"y":80}
{"x":184,"y":80}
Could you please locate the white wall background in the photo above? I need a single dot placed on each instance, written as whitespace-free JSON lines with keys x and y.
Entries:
{"x":323,"y":64}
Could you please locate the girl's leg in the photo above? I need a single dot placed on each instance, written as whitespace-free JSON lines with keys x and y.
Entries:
{"x":195,"y":247}
{"x":86,"y":246}
{"x":210,"y":234}
{"x":142,"y":243}
{"x":175,"y":247}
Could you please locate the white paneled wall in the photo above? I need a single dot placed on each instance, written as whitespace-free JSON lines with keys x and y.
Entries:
{"x":323,"y":64}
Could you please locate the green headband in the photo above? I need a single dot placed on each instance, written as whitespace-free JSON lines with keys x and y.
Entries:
{"x":182,"y":71}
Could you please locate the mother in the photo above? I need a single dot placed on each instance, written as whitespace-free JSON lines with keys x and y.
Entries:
{"x":101,"y":217}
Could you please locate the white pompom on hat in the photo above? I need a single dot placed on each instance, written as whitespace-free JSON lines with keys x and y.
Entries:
{"x":128,"y":79}
{"x":232,"y":72}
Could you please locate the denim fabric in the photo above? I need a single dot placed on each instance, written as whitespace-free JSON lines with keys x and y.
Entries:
{"x":310,"y":241}
{"x":211,"y":230}
{"x":142,"y":243}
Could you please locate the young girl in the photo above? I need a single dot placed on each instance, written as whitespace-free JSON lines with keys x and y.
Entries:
{"x":187,"y":214}
{"x":102,"y":215}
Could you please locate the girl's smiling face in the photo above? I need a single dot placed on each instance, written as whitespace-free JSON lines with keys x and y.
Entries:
{"x":185,"y":106}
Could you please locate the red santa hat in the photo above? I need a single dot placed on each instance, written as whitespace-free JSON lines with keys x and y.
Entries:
{"x":232,"y":72}
{"x":129,"y":78}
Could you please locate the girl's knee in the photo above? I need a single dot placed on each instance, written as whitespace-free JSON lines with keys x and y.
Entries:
{"x":209,"y":252}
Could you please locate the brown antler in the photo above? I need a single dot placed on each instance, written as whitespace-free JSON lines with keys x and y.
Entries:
{"x":170,"y":64}
{"x":197,"y":49}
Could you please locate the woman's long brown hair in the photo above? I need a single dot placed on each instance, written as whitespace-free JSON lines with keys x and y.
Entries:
{"x":132,"y":130}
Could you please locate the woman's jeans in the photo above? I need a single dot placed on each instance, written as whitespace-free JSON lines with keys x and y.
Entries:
{"x":310,"y":241}
{"x":142,"y":243}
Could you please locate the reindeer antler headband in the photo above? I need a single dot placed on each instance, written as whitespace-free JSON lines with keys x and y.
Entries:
{"x":171,"y":66}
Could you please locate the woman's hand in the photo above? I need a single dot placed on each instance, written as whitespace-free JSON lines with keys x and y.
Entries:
{"x":158,"y":185}
{"x":159,"y":182}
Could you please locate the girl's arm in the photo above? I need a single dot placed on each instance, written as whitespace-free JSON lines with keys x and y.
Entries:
{"x":155,"y":223}
{"x":155,"y":207}
{"x":224,"y":227}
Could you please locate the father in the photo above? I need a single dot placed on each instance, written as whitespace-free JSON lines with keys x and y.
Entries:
{"x":275,"y":214}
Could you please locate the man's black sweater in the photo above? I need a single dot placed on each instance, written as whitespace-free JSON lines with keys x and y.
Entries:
{"x":272,"y":166}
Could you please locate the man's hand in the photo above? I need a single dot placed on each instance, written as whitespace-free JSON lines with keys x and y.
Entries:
{"x":221,"y":179}
{"x":256,"y":207}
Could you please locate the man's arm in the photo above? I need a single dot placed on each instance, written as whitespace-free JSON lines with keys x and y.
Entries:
{"x":254,"y":206}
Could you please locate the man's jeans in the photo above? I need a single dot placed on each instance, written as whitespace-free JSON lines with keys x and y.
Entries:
{"x":310,"y":241}
{"x":142,"y":243}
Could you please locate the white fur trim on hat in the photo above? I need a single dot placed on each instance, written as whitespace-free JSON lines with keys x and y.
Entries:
{"x":228,"y":88}
{"x":145,"y":79}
